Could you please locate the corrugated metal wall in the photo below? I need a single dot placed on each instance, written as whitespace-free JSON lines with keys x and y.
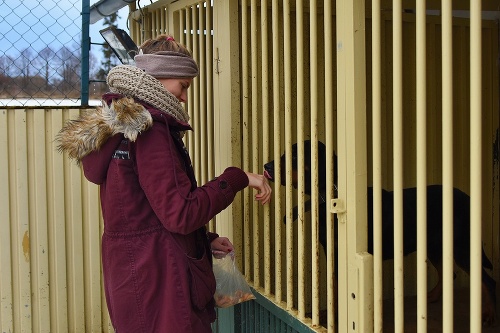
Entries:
{"x":50,"y":273}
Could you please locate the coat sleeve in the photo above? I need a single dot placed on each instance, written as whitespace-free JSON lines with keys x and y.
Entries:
{"x":211,"y":236}
{"x":168,"y":188}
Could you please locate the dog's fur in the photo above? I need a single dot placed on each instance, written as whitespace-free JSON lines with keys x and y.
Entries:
{"x":461,"y":224}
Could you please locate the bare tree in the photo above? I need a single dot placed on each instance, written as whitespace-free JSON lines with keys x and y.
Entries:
{"x":94,"y":64}
{"x":25,"y":63}
{"x":47,"y":57}
{"x":69,"y":70}
{"x":7,"y":72}
{"x":6,"y":65}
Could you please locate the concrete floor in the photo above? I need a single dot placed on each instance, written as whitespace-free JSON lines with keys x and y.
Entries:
{"x":434,"y":310}
{"x":434,"y":314}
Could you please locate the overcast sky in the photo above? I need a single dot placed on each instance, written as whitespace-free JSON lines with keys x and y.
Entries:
{"x":38,"y":23}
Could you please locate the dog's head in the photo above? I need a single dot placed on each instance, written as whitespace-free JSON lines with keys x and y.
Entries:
{"x":270,"y":172}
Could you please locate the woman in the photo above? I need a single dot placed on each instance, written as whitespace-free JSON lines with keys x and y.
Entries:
{"x":156,"y":251}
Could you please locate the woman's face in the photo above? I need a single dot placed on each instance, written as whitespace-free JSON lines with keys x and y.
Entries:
{"x":177,"y":87}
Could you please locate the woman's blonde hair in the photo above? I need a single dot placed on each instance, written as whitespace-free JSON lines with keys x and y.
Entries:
{"x":163,"y":42}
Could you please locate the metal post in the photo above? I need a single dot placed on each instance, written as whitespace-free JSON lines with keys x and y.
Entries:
{"x":84,"y":94}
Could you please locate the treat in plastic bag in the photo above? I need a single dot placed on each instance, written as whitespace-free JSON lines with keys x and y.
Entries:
{"x":232,"y":288}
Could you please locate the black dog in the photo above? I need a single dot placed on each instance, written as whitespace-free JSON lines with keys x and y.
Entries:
{"x":461,"y":224}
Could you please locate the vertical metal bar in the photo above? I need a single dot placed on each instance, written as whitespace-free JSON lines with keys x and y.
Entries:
{"x":84,"y":86}
{"x":145,"y":24}
{"x":397,"y":55}
{"x":194,"y":96}
{"x":75,"y":247}
{"x":329,"y":107}
{"x":313,"y":40}
{"x":255,"y":138}
{"x":147,"y":30}
{"x":277,"y":149}
{"x":20,"y":236}
{"x":163,"y":20}
{"x":209,"y":89}
{"x":194,"y":91}
{"x":377,"y":164}
{"x":351,"y":127}
{"x":475,"y":166}
{"x":159,"y":23}
{"x":331,"y":182}
{"x":183,"y":30}
{"x":58,"y":231}
{"x":179,"y":30}
{"x":154,"y":23}
{"x":246,"y":131}
{"x":231,"y":126}
{"x":364,"y":262}
{"x":39,"y":243}
{"x":421,"y":168}
{"x":341,"y":25}
{"x":265,"y":139}
{"x":447,"y":151}
{"x":301,"y":230}
{"x":6,"y":276}
{"x":202,"y":92}
{"x":288,"y":152}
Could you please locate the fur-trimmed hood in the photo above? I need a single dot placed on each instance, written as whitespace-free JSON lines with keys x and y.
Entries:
{"x":92,"y":129}
{"x":92,"y":138}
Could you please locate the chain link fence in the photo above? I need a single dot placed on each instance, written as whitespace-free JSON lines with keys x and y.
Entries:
{"x":41,"y":52}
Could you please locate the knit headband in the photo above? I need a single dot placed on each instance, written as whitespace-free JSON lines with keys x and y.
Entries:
{"x":167,"y":65}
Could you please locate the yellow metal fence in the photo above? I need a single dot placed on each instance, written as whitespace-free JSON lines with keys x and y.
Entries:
{"x":50,"y":275}
{"x":389,"y":87}
{"x":424,"y":132}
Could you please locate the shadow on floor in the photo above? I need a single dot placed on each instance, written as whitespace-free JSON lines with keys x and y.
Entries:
{"x":434,"y":313}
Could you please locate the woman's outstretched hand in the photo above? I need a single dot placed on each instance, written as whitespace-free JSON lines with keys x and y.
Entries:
{"x":261,"y":184}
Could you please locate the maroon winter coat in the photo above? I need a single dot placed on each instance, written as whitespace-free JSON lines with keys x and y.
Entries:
{"x":154,"y":227}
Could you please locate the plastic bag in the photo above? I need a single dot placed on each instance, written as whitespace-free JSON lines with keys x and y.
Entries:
{"x":232,"y":288}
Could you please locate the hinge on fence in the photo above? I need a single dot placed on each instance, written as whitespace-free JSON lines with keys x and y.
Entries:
{"x":337,"y":207}
{"x":217,"y":61}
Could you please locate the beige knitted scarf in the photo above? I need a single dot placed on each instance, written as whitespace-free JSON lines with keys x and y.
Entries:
{"x":132,"y":81}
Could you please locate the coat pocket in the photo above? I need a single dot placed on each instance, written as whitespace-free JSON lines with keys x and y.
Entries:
{"x":202,"y":281}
